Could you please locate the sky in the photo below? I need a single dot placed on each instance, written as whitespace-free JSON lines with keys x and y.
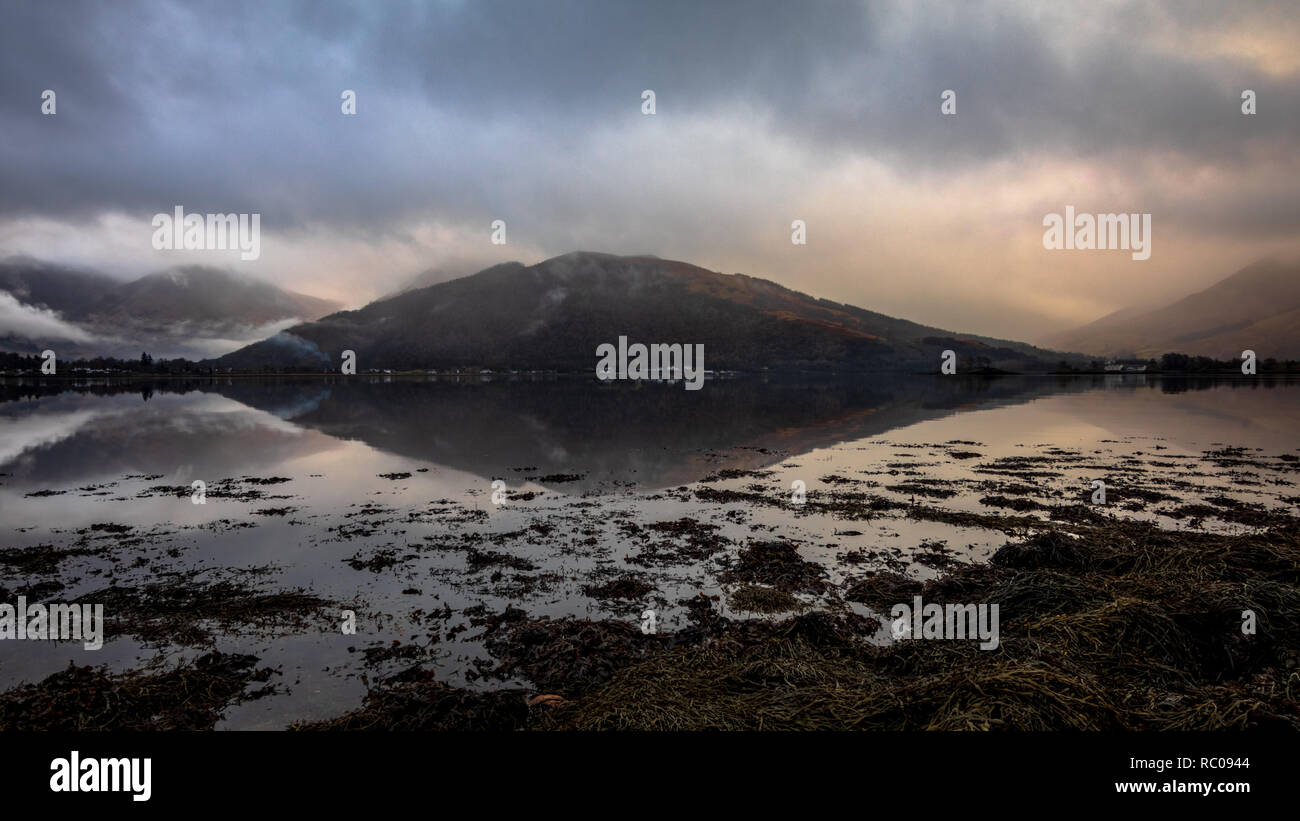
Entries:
{"x":765,"y":113}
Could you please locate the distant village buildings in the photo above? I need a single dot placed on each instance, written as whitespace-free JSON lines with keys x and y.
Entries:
{"x":1119,"y":367}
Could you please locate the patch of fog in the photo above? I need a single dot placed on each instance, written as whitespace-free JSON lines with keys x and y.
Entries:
{"x":36,"y":323}
{"x":192,"y":343}
{"x":188,"y":340}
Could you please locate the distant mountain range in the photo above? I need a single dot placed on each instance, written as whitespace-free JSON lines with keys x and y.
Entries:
{"x":1257,"y":308}
{"x":556,"y":313}
{"x":188,"y":311}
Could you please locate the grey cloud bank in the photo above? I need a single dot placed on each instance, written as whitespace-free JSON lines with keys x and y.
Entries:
{"x":766,"y":112}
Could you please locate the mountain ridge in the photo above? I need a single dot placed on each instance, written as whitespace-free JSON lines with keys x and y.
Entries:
{"x":555,"y":313}
{"x":1256,"y":308}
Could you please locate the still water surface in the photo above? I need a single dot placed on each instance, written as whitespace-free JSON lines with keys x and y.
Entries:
{"x":377,"y":494}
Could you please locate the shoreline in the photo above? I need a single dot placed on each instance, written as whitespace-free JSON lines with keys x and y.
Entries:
{"x":1108,"y":623}
{"x":731,"y":374}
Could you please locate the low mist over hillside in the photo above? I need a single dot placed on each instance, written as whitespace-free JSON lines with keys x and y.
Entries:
{"x":190,"y":311}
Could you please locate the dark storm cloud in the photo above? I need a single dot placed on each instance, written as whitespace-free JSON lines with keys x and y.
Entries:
{"x":234,"y":106}
{"x":466,"y":109}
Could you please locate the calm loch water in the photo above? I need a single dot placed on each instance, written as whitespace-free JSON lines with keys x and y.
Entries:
{"x":377,"y":495}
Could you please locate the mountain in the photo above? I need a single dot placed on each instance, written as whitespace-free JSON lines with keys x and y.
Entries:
{"x":1257,"y":308}
{"x":67,"y":291}
{"x":556,"y":313}
{"x":188,"y":311}
{"x":196,"y":294}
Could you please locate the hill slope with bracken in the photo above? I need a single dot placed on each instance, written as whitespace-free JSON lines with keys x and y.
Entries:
{"x":556,"y":313}
{"x":1257,"y":308}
